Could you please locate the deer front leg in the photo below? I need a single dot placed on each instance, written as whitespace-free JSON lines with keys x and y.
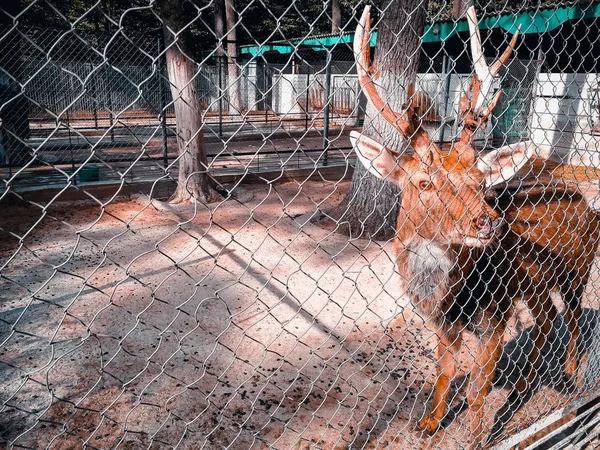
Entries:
{"x":448,"y":346}
{"x":573,"y":317}
{"x":480,"y":381}
{"x":545,"y":313}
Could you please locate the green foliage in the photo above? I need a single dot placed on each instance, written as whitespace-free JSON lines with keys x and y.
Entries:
{"x":259,"y":21}
{"x":440,"y":10}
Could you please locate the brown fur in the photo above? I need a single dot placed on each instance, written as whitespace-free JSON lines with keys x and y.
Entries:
{"x":584,"y":178}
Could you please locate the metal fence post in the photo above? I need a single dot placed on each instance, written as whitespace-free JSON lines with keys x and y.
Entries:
{"x":110,"y":107}
{"x":446,"y":77}
{"x":265,"y":88}
{"x":69,"y":128}
{"x":326,"y":109}
{"x":163,"y":101}
{"x":220,"y":65}
{"x":4,"y":150}
{"x":94,"y":92}
{"x":307,"y":100}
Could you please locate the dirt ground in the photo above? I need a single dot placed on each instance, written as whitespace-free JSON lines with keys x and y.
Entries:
{"x":138,"y":324}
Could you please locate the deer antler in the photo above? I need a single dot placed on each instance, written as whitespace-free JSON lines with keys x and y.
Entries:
{"x":474,"y":112}
{"x":484,"y":72}
{"x":406,"y":123}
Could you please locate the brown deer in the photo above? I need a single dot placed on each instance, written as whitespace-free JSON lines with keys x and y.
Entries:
{"x":466,"y":255}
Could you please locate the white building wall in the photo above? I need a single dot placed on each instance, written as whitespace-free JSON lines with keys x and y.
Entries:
{"x":561,"y":117}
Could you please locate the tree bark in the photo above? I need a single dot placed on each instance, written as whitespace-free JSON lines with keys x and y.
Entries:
{"x":459,"y":7}
{"x":193,"y":182}
{"x":336,"y":17}
{"x":220,"y":51}
{"x":371,"y":205}
{"x":14,"y":107}
{"x":233,"y":70}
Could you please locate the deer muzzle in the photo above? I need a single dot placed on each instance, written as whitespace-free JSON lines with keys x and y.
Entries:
{"x":487,"y":227}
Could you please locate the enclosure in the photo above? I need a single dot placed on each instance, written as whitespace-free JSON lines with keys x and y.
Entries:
{"x":269,"y":307}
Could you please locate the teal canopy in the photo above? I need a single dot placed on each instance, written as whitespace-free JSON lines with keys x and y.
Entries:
{"x":531,"y":22}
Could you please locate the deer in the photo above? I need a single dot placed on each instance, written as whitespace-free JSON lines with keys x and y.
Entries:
{"x":467,"y":254}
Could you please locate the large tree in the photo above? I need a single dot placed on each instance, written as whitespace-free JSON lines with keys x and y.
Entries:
{"x":193,"y":182}
{"x":225,"y":13}
{"x":14,"y":106}
{"x":233,"y":70}
{"x":219,"y":12}
{"x":371,"y":205}
{"x":336,"y":16}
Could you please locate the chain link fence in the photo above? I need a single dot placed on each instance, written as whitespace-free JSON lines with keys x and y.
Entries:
{"x":293,"y":300}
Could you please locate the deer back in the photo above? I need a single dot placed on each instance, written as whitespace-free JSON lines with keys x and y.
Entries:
{"x":555,"y":232}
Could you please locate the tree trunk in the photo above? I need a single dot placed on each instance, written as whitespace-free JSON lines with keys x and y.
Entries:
{"x":233,"y":70}
{"x":336,"y":17}
{"x":193,"y":182}
{"x":459,"y":7}
{"x":220,"y":51}
{"x":14,"y":112}
{"x":371,"y":205}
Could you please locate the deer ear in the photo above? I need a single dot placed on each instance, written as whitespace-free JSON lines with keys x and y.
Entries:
{"x":502,"y":164}
{"x":377,"y":159}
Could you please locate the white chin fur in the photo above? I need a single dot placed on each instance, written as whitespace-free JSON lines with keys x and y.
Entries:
{"x":429,"y":267}
{"x":470,"y":241}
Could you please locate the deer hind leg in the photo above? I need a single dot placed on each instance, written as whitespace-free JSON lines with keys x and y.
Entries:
{"x":447,"y":348}
{"x":480,"y":381}
{"x":545,"y":315}
{"x":572,"y":298}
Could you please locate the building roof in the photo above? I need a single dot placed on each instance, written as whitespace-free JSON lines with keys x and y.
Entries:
{"x":531,"y":22}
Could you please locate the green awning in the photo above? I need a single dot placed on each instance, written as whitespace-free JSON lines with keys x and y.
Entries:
{"x":530,"y":22}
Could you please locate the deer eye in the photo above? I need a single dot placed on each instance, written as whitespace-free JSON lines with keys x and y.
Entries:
{"x":425,"y":185}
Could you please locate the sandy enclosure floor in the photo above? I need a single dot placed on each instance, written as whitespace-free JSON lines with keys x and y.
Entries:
{"x":240,"y":325}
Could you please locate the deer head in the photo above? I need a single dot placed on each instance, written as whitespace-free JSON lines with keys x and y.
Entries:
{"x":442,"y":191}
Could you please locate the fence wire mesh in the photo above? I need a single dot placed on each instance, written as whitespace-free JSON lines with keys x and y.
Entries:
{"x":196,"y":250}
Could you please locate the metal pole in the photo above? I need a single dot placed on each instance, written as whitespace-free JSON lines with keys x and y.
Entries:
{"x":265,"y":89}
{"x":110,"y":107}
{"x":69,"y":128}
{"x":110,"y":77}
{"x":95,"y":101}
{"x":326,"y":109}
{"x":95,"y":93}
{"x":307,"y":100}
{"x":4,"y":147}
{"x":220,"y":65}
{"x":446,"y":70}
{"x":71,"y":153}
{"x":163,"y":108}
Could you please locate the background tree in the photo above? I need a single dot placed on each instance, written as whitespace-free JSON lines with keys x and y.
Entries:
{"x":233,"y":70}
{"x":219,"y":12}
{"x":193,"y":181}
{"x":14,"y":107}
{"x":371,"y":205}
{"x":459,"y":7}
{"x":336,"y":16}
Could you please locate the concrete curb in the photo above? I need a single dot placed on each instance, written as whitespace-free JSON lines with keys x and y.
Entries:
{"x":161,"y":189}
